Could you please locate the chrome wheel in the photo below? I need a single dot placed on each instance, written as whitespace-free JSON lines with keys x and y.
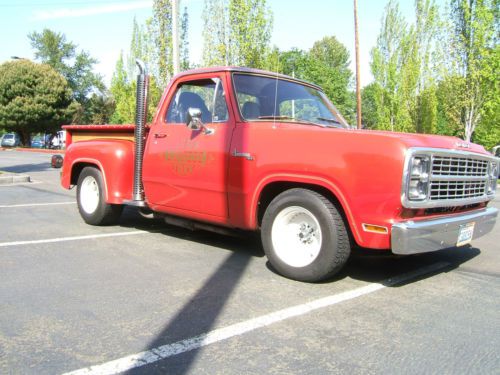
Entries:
{"x":296,"y":236}
{"x":89,"y":194}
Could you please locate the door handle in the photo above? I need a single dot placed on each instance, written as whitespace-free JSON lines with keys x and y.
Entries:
{"x":160,"y":135}
{"x":245,"y":155}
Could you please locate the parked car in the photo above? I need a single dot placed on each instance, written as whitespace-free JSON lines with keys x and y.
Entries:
{"x":11,"y":140}
{"x":37,"y":142}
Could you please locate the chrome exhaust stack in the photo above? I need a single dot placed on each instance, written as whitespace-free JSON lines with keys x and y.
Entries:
{"x":141,"y":115}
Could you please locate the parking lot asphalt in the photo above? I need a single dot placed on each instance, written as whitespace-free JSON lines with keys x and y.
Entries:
{"x":143,"y":297}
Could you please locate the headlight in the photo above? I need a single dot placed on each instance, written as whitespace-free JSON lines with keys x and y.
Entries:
{"x":493,"y":174}
{"x":493,"y":169}
{"x":419,"y":167}
{"x":418,"y":186}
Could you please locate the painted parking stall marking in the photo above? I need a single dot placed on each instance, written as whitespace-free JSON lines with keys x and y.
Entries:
{"x":36,"y":204}
{"x":221,"y":334}
{"x":75,"y":238}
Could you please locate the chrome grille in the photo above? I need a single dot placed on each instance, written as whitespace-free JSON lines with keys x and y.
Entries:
{"x":459,"y":166}
{"x":445,"y":190}
{"x":453,"y":179}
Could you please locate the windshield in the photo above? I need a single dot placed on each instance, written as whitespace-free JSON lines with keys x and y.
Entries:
{"x":267,"y":98}
{"x":9,"y":136}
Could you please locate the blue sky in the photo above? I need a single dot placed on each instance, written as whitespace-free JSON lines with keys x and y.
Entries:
{"x":103,"y":27}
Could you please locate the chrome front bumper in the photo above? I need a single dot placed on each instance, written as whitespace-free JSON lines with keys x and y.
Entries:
{"x":413,"y":237}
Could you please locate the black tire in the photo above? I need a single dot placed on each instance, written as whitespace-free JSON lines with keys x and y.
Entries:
{"x":314,"y":226}
{"x":91,"y":199}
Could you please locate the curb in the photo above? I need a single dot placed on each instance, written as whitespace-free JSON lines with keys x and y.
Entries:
{"x":41,"y":150}
{"x":8,"y":178}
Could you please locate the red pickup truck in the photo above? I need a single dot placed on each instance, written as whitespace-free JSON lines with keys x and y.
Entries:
{"x":242,"y":149}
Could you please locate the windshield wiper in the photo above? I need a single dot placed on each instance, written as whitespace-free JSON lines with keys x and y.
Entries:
{"x":335,"y":121}
{"x":298,"y":120}
{"x":275,"y":117}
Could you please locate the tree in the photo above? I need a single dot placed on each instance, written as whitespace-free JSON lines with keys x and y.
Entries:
{"x":474,"y":42}
{"x":33,"y":98}
{"x":184,"y":44}
{"x":160,"y":29}
{"x":239,"y":35}
{"x":53,"y":49}
{"x":123,"y":93}
{"x":426,"y":65}
{"x":329,"y":68}
{"x":326,"y":64}
{"x":390,"y":67}
{"x":369,"y":109}
{"x":215,"y":33}
{"x":123,"y":90}
{"x":250,"y":25}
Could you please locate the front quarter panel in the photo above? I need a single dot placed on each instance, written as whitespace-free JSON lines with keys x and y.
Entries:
{"x":115,"y":160}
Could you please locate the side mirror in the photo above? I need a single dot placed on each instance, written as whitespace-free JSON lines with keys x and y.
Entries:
{"x":193,"y":121}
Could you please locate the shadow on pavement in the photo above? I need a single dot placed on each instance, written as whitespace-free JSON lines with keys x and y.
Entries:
{"x":26,"y":168}
{"x":380,"y":268}
{"x":198,"y":315}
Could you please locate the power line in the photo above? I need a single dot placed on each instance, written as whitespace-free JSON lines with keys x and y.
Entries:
{"x":65,"y":3}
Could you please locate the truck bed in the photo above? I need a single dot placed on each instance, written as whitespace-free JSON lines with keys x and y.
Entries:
{"x":78,"y":133}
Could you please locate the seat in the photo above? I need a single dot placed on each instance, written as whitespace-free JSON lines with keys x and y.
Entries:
{"x":192,"y":100}
{"x":250,"y":110}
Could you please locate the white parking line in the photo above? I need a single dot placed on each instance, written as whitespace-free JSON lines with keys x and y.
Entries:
{"x":169,"y":350}
{"x":35,"y":204}
{"x":76,"y":238}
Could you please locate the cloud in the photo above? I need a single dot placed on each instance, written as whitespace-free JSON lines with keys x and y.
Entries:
{"x":90,"y":11}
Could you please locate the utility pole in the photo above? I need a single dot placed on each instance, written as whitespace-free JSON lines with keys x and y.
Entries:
{"x":358,"y":83}
{"x":175,"y":36}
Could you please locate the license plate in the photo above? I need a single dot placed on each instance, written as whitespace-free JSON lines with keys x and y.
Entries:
{"x":465,"y":233}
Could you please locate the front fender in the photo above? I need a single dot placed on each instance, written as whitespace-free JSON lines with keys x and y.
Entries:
{"x":114,"y":158}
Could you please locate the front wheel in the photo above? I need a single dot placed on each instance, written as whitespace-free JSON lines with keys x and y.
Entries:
{"x":304,"y":236}
{"x":91,"y":199}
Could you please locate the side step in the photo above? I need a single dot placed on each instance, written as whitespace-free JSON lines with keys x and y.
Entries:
{"x":196,"y":225}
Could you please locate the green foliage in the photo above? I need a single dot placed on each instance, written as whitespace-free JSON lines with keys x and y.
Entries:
{"x":123,"y":90}
{"x":439,"y":75}
{"x":215,"y":33}
{"x":34,"y":98}
{"x":53,"y":49}
{"x":100,"y":108}
{"x":369,"y":108}
{"x":405,"y":67}
{"x":474,"y":47}
{"x":249,"y":31}
{"x":329,"y":68}
{"x":184,"y":42}
{"x":392,"y":62}
{"x":239,"y":34}
{"x":325,"y":64}
{"x":160,"y":30}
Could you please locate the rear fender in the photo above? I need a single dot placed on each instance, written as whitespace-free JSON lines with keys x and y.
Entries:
{"x":115,"y":160}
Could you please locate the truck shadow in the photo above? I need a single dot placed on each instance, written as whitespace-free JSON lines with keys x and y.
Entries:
{"x":248,"y":244}
{"x":201,"y":312}
{"x":373,"y":268}
{"x":363,"y":265}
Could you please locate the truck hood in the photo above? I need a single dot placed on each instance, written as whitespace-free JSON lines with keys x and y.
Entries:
{"x":423,"y":140}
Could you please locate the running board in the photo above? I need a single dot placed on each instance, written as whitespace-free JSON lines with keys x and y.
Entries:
{"x":196,"y":225}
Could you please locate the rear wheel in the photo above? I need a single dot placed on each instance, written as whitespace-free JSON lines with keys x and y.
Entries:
{"x":304,"y":236}
{"x":91,"y":199}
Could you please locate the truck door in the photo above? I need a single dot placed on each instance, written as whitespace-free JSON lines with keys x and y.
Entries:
{"x":185,"y":171}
